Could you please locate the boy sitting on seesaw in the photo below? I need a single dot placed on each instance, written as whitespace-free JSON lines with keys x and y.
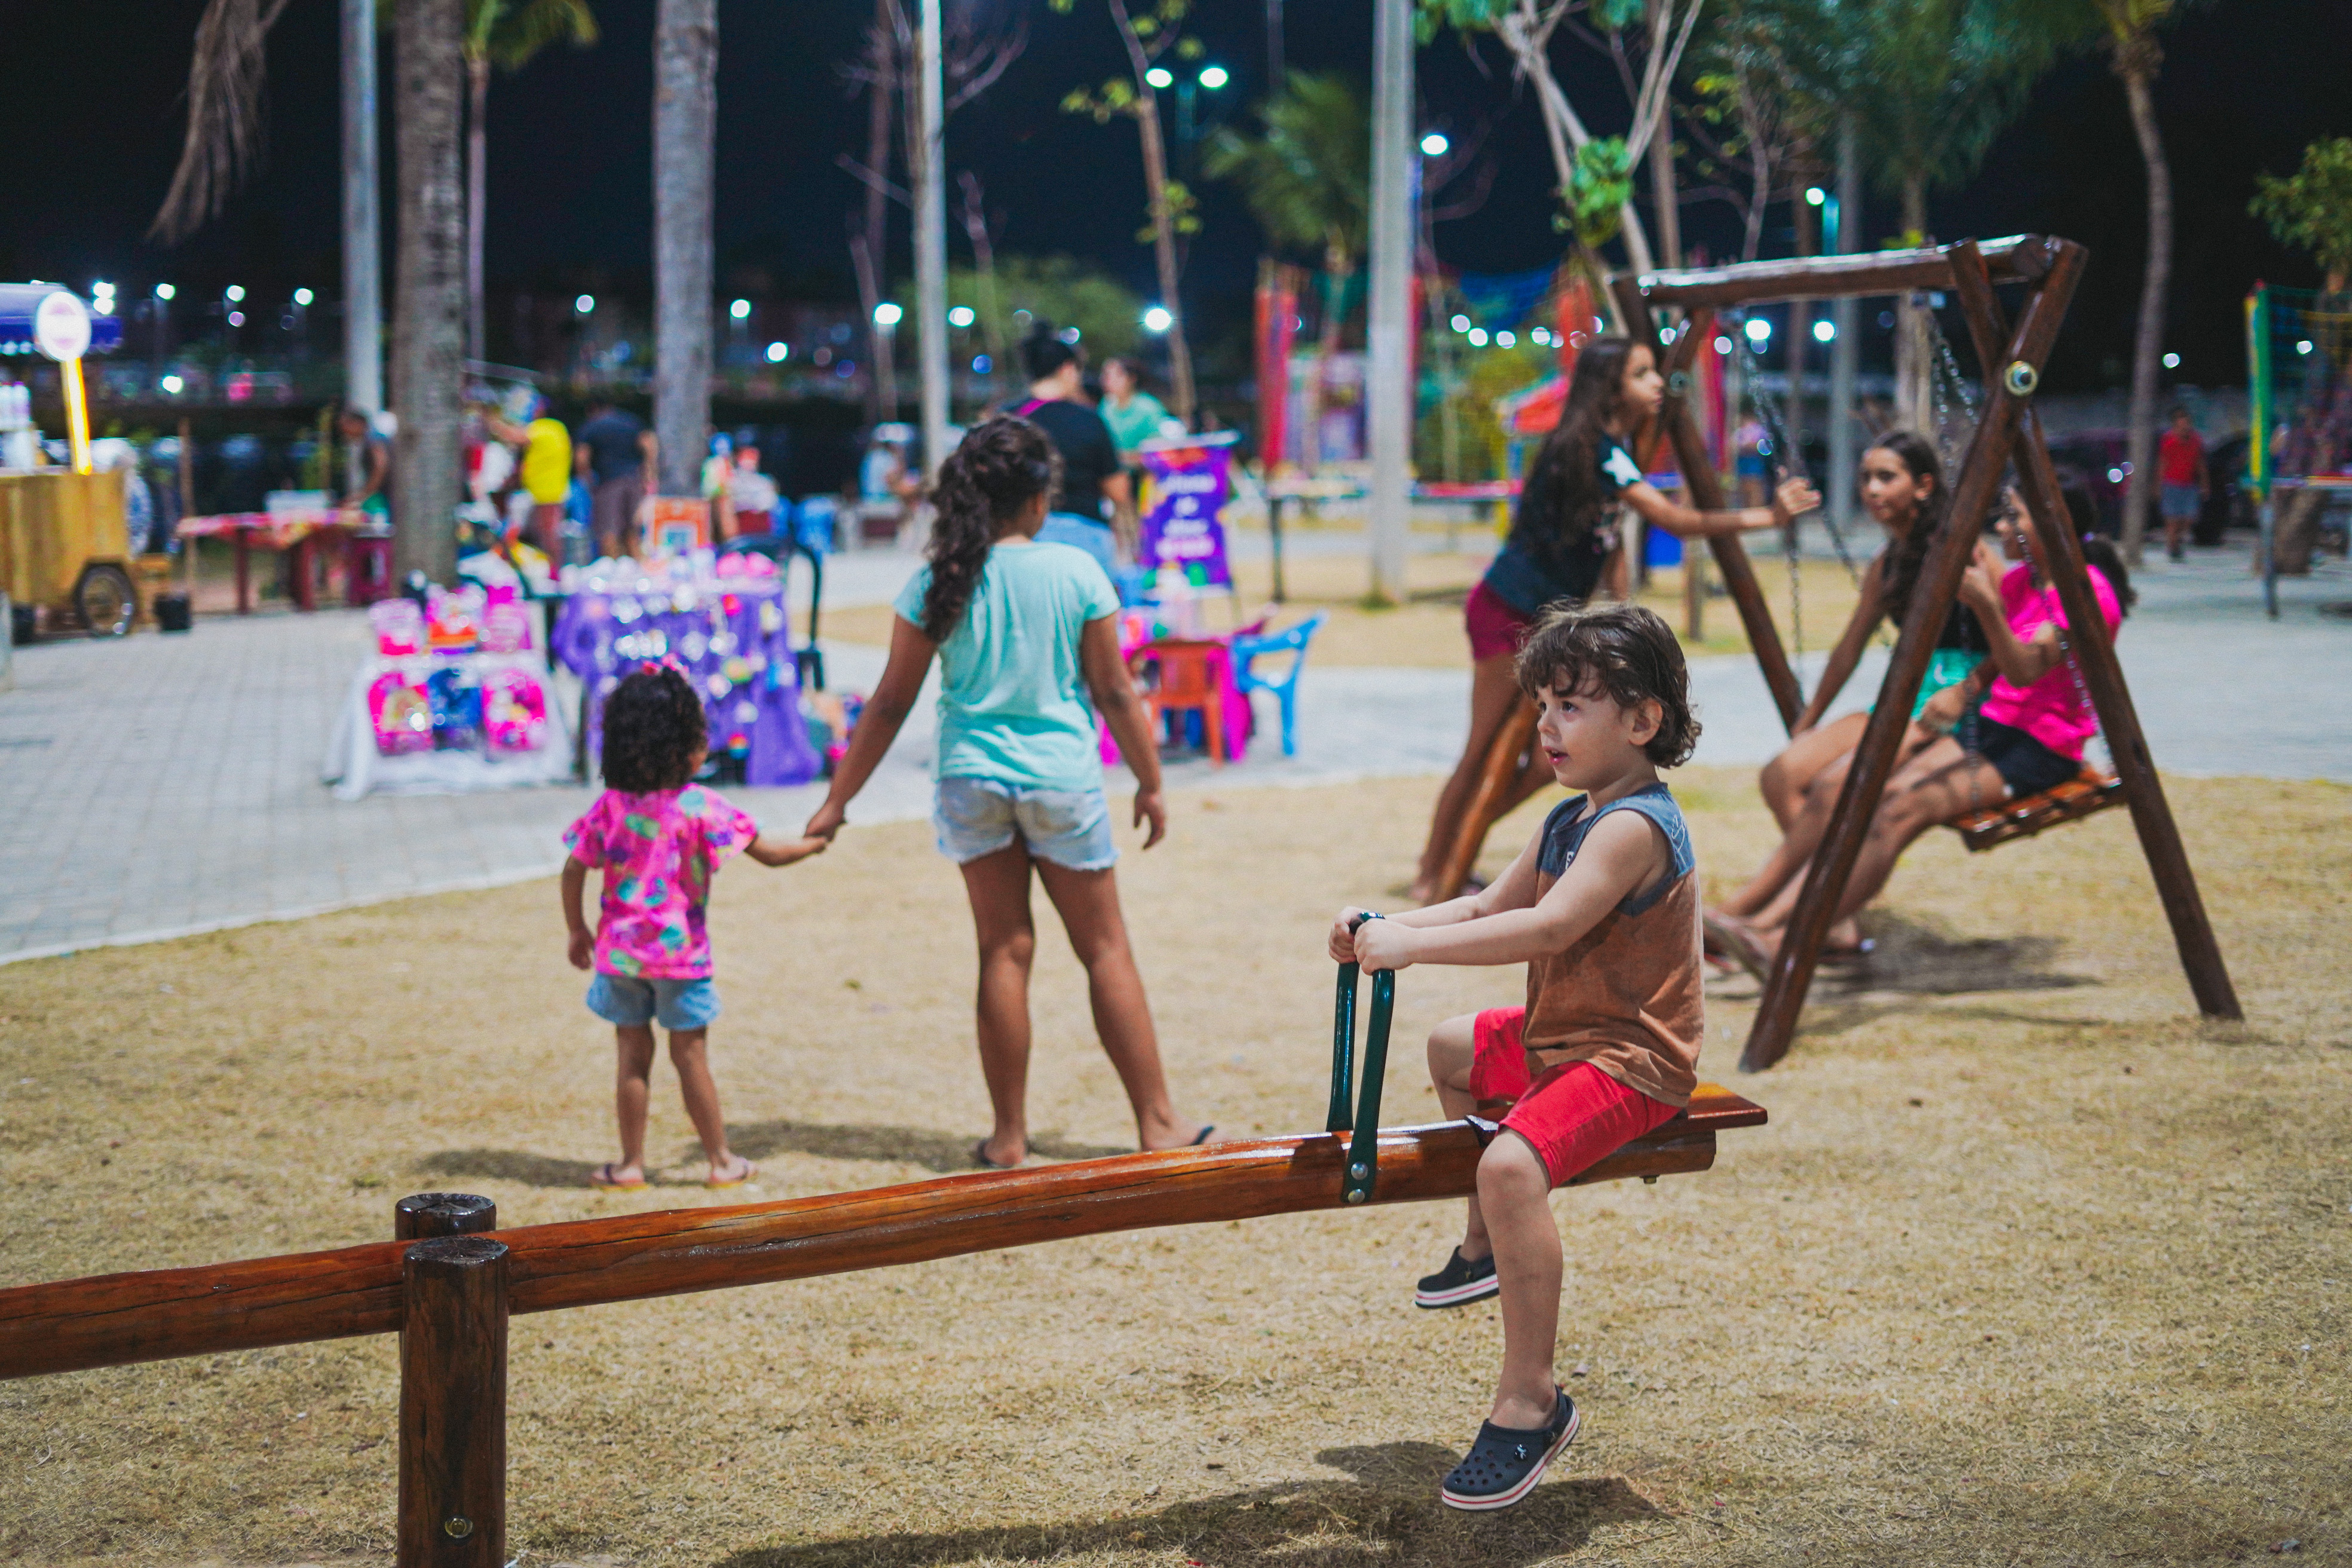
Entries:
{"x":1602,"y":908}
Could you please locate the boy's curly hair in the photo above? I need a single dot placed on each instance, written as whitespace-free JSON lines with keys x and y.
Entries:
{"x":653,"y":728}
{"x":1624,"y":651}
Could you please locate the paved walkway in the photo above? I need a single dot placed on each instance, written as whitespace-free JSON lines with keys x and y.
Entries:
{"x":156,"y":786}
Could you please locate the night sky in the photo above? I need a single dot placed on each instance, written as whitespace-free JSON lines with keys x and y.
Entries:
{"x":88,"y":107}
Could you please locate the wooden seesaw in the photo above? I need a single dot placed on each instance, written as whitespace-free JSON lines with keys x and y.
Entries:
{"x":450,"y":1279}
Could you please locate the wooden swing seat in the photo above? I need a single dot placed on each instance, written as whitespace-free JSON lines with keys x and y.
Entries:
{"x":2086,"y":794}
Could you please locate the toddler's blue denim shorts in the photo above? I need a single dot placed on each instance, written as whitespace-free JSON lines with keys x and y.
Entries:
{"x":632,"y":1003}
{"x":1071,"y":828}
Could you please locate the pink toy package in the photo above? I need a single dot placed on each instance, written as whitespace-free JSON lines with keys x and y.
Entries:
{"x":506,"y":622}
{"x":400,"y":713}
{"x":399,"y":627}
{"x":514,"y":711}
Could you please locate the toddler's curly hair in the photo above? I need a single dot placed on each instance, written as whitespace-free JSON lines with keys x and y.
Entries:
{"x":655,"y":733}
{"x":1624,"y":651}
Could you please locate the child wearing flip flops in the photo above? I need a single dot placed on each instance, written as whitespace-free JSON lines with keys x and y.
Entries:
{"x":658,"y":837}
{"x":1602,"y":908}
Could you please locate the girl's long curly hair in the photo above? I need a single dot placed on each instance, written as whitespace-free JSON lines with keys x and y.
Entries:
{"x":1004,"y":463}
{"x":655,"y":733}
{"x":1568,"y":464}
{"x":1918,"y":455}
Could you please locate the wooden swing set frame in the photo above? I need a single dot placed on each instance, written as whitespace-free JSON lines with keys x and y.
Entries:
{"x":2012,"y":351}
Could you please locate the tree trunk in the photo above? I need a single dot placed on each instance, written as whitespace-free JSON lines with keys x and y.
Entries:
{"x":1163,"y":249}
{"x":2137,"y":64}
{"x":1665,"y":200}
{"x":685,"y":69}
{"x":477,"y":168}
{"x":362,"y":229}
{"x":872,"y":263}
{"x":429,"y":328}
{"x":1914,"y":408}
{"x":983,"y":264}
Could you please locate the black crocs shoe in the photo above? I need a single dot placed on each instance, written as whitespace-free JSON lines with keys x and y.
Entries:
{"x":1506,"y":1463}
{"x":1458,"y":1284}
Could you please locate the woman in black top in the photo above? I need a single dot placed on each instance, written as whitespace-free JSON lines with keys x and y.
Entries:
{"x":1091,"y":477}
{"x":1562,"y":534}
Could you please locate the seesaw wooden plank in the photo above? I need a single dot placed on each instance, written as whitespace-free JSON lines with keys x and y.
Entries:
{"x":157,"y":1314}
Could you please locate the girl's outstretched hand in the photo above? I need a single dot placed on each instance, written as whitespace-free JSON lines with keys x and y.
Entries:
{"x":1342,"y":945}
{"x":1795,"y":497}
{"x":1150,"y":808}
{"x":828,"y":822}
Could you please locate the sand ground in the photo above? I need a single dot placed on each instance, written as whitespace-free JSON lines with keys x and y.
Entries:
{"x":2031,"y":1267}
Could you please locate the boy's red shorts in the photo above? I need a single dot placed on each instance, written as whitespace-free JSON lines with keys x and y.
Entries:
{"x":1575,"y":1114}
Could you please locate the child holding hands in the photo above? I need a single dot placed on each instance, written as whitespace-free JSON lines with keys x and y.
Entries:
{"x":1602,"y":908}
{"x":658,"y":837}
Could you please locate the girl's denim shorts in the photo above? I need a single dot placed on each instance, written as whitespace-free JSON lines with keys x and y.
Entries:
{"x":1070,"y":827}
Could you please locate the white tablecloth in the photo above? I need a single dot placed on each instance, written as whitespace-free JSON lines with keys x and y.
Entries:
{"x":356,"y":768}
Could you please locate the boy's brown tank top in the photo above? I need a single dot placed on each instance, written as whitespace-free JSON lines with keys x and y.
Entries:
{"x":1625,"y":996}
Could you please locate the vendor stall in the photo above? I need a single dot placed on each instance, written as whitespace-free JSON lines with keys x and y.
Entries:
{"x":724,"y":623}
{"x":452,"y":701}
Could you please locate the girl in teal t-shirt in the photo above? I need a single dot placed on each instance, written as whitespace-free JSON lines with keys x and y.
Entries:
{"x":1028,"y":650}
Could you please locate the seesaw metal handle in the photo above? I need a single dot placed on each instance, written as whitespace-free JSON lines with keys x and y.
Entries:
{"x":1363,"y":1148}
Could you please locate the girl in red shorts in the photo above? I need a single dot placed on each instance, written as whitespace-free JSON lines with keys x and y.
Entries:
{"x":1602,"y":908}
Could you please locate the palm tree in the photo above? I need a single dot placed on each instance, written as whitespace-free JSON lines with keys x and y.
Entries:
{"x":686,"y":105}
{"x":2127,"y":29}
{"x":505,"y":34}
{"x":429,"y":284}
{"x":1308,"y":181}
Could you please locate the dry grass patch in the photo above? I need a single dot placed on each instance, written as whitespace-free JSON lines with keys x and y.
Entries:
{"x":2031,"y":1267}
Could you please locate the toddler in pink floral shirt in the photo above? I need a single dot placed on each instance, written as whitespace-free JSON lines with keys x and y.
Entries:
{"x":658,"y":837}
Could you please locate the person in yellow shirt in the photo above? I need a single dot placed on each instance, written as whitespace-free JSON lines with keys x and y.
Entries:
{"x":547,"y":476}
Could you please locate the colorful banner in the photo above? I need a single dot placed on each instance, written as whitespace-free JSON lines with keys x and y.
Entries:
{"x":1183,"y":514}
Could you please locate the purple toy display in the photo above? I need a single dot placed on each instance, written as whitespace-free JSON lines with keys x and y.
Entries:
{"x":726,"y":628}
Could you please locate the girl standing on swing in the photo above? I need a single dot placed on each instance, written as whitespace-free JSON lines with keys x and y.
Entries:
{"x":1563,"y":533}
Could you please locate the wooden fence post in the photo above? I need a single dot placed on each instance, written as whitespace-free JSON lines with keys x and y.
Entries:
{"x":453,"y":1404}
{"x":420,"y":1216}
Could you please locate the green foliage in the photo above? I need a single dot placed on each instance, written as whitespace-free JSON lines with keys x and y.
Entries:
{"x":1308,"y":176}
{"x":1107,"y":314}
{"x":2311,"y":209}
{"x":1593,"y":207}
{"x":509,"y":32}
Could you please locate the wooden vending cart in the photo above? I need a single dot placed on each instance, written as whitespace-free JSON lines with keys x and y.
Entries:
{"x":65,"y":546}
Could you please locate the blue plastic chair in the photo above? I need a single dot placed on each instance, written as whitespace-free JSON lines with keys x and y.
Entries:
{"x":1246,"y":676}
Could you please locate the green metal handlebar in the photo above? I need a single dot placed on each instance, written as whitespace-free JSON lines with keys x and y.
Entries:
{"x":1363,"y":1147}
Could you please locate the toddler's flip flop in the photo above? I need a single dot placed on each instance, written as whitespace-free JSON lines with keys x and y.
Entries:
{"x":716,"y":1183}
{"x":602,"y":1179}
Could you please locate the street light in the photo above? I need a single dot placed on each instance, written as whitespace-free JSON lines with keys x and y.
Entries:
{"x":164,"y":290}
{"x":1815,"y":196}
{"x":2172,"y":361}
{"x":1460,"y":323}
{"x":1215,"y":77}
{"x":1759,"y":330}
{"x":778,"y":352}
{"x":886,"y":313}
{"x":1434,"y":144}
{"x":1159,"y":76}
{"x":1477,"y":337}
{"x":962,"y":316}
{"x":1824,"y":330}
{"x":234,"y":293}
{"x":585,"y":305}
{"x":303,"y":297}
{"x":1158,"y":319}
{"x":740,"y":310}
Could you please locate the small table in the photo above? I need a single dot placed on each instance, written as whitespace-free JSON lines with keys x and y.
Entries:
{"x":301,"y":532}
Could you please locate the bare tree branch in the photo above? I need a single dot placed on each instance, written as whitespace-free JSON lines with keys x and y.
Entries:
{"x":871,"y":180}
